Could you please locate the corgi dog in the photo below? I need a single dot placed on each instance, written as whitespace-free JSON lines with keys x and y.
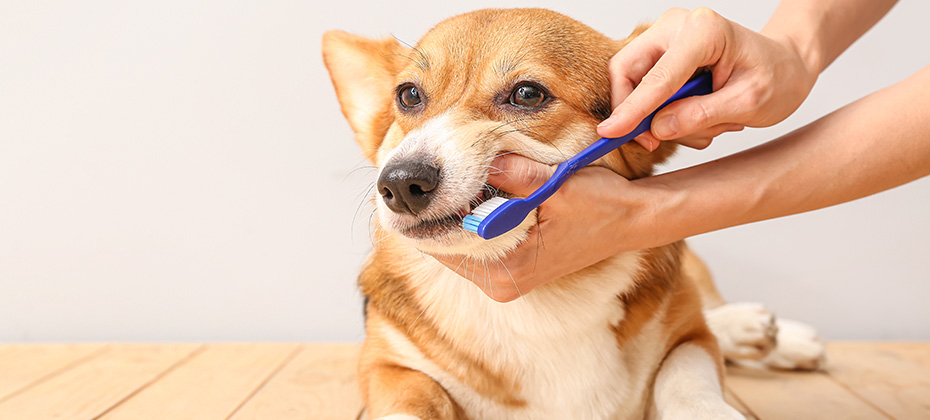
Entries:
{"x":626,"y":338}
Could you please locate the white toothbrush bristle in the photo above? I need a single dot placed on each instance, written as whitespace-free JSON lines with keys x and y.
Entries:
{"x":487,"y":207}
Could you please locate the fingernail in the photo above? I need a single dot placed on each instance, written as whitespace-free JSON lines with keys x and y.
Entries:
{"x":653,"y":145}
{"x":607,"y":122}
{"x":666,"y":127}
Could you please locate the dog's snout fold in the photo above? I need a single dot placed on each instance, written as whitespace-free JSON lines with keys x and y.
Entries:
{"x":407,"y":186}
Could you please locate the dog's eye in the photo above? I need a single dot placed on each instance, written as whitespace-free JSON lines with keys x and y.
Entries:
{"x":409,"y":97}
{"x":527,"y":96}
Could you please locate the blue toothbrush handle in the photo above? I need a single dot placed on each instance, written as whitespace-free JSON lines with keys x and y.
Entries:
{"x":701,"y":84}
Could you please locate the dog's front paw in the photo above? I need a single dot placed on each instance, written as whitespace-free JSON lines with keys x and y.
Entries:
{"x":798,"y":347}
{"x":744,"y":330}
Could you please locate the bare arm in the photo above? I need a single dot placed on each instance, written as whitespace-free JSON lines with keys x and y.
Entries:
{"x":760,"y":78}
{"x":876,"y":143}
{"x":822,"y":30}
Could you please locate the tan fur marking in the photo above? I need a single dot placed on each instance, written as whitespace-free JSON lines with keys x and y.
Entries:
{"x":661,"y":285}
{"x":400,"y":390}
{"x":389,"y":296}
{"x":697,"y":272}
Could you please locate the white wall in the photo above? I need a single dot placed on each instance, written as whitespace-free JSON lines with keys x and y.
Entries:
{"x":180,"y":170}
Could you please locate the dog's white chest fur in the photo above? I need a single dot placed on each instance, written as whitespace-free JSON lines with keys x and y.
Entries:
{"x":560,"y":343}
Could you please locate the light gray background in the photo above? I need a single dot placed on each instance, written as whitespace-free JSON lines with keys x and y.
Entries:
{"x":180,"y":170}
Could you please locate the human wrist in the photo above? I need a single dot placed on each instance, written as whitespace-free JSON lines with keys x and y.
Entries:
{"x":808,"y":51}
{"x":798,"y":26}
{"x":659,"y":205}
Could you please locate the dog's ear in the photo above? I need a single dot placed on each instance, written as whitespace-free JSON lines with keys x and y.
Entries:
{"x":362,"y":71}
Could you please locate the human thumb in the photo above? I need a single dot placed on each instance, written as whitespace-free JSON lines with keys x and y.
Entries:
{"x":518,"y":175}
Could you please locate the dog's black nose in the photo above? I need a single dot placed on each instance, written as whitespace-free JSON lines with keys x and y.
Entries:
{"x":407,"y":186}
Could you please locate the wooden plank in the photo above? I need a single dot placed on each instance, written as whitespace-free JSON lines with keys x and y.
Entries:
{"x":881,"y":375}
{"x":319,"y":383}
{"x":796,"y":395}
{"x":735,"y":402}
{"x":89,"y":389}
{"x":23,"y":365}
{"x":209,"y":386}
{"x":915,"y":351}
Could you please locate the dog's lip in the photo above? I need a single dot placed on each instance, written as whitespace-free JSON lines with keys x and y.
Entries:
{"x":439,"y":225}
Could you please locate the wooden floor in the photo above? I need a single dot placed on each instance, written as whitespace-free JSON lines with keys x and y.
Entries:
{"x":316,"y":381}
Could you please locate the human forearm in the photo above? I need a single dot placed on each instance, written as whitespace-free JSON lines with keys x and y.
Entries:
{"x":873,"y":144}
{"x":822,"y":30}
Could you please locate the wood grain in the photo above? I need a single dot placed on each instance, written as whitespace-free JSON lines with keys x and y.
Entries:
{"x":319,"y":383}
{"x":24,"y":365}
{"x":863,"y":380}
{"x":209,"y":386}
{"x":797,"y":395}
{"x":884,"y":377}
{"x":87,"y":390}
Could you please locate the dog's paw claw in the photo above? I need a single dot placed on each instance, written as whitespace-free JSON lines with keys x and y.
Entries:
{"x":745,"y":331}
{"x":798,"y":347}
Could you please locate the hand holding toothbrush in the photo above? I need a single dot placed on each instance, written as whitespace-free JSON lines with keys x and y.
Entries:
{"x":759,"y":79}
{"x":555,"y":246}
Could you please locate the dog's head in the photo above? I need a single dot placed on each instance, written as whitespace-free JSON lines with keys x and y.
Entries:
{"x":433,"y":117}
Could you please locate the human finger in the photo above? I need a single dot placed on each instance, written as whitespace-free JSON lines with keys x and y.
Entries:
{"x":692,"y":115}
{"x":703,"y":138}
{"x":518,"y":175}
{"x":701,"y":45}
{"x":628,"y":66}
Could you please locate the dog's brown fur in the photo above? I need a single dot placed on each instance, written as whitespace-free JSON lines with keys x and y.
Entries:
{"x":461,"y":64}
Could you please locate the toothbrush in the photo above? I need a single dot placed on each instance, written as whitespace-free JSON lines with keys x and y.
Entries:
{"x":499,"y":215}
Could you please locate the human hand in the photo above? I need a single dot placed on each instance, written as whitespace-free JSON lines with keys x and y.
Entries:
{"x":759,"y":79}
{"x":576,"y":227}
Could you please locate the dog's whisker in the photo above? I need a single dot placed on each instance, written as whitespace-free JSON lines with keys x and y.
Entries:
{"x":404,"y":56}
{"x":510,"y":152}
{"x":371,"y":227}
{"x":384,"y":237}
{"x":491,"y":132}
{"x":423,"y":63}
{"x":506,"y":123}
{"x":487,"y":270}
{"x":383,"y":234}
{"x":460,"y":264}
{"x":501,"y":262}
{"x":425,"y":308}
{"x":360,"y":204}
{"x":359,"y":168}
{"x":533,"y":133}
{"x":540,"y":242}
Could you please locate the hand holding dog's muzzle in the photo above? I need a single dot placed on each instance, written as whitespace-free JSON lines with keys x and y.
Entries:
{"x":596,"y":214}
